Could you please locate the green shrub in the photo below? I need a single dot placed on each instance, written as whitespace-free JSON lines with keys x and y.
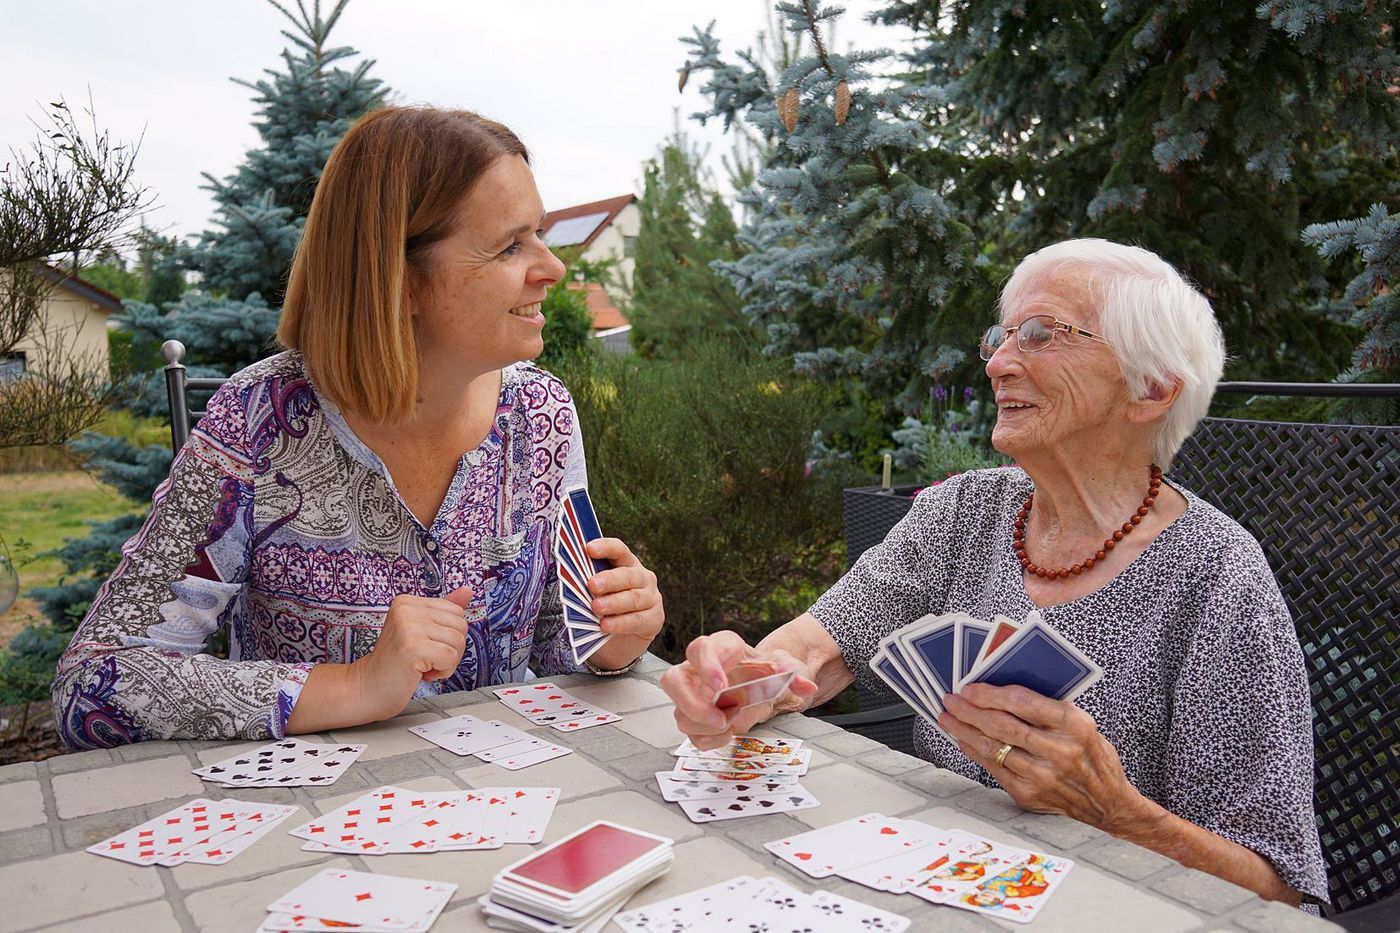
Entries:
{"x":700,"y":463}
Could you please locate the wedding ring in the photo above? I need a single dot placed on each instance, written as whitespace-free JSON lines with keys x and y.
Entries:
{"x":1002,"y":753}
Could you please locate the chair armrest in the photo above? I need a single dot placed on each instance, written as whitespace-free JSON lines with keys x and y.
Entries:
{"x":867,"y":717}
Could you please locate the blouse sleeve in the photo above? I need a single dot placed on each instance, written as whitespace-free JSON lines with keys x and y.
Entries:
{"x":551,"y":654}
{"x":137,"y":666}
{"x":893,"y":583}
{"x":1240,"y":754}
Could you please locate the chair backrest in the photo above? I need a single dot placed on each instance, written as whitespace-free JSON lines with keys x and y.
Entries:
{"x":177,"y":388}
{"x":1322,"y":501}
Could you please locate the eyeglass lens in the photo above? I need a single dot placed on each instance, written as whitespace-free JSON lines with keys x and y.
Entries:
{"x":1034,"y":333}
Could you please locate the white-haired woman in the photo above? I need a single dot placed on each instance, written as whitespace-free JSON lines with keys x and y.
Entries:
{"x":1197,"y":741}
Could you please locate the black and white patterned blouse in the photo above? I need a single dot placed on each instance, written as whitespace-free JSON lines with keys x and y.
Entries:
{"x":1204,"y":693}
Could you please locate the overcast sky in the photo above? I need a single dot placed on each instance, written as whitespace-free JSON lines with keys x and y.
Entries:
{"x":589,"y":86}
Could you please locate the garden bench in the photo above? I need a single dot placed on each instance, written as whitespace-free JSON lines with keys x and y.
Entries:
{"x":1321,"y":500}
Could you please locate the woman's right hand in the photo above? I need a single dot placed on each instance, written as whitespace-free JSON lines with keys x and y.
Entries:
{"x":422,"y":639}
{"x":709,"y":659}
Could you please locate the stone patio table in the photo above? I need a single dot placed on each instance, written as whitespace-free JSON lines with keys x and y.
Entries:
{"x":51,"y":811}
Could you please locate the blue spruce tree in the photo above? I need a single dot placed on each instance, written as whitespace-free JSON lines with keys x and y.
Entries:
{"x":230,"y":321}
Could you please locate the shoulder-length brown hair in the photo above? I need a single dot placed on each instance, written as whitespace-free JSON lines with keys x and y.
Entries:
{"x":390,"y":190}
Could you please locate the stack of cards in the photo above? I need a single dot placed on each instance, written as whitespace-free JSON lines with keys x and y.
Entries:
{"x":395,"y":820}
{"x":544,"y":704}
{"x":751,"y":776}
{"x":489,"y":740}
{"x":746,"y":903}
{"x":288,"y":763}
{"x":338,"y":898}
{"x":938,"y":655}
{"x":204,"y":832}
{"x":941,"y":866}
{"x":578,"y":882}
{"x":577,"y":526}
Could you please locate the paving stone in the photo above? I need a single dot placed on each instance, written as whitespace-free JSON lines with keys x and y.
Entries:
{"x":140,"y":751}
{"x":1273,"y":917}
{"x":21,"y":805}
{"x":628,"y":807}
{"x":79,"y":761}
{"x":388,"y":738}
{"x":124,"y":785}
{"x":356,"y":777}
{"x":934,"y":781}
{"x":621,"y":695}
{"x":654,"y":726}
{"x":1204,"y":892}
{"x":989,"y":802}
{"x":574,"y":775}
{"x":847,"y":791}
{"x":242,"y":906}
{"x":391,"y":770}
{"x":26,"y":843}
{"x":800,"y":726}
{"x":848,"y":744}
{"x":1062,"y":832}
{"x":274,"y":852}
{"x":20,"y":771}
{"x":891,"y":762}
{"x":489,"y":709}
{"x":643,"y":767}
{"x":752,"y":833}
{"x":151,"y":917}
{"x":607,"y":746}
{"x":1123,"y":858}
{"x":89,"y":883}
{"x":81,"y":833}
{"x":433,"y":784}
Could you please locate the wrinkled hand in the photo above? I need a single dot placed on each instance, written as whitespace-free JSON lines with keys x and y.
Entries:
{"x":692,"y":686}
{"x":422,"y":639}
{"x":626,"y":602}
{"x":1058,"y":763}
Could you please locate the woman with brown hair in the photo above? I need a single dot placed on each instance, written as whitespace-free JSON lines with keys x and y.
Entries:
{"x":371,"y":513}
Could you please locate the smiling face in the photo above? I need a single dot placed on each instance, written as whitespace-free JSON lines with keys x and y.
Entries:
{"x":479,"y":309}
{"x":1068,"y":397}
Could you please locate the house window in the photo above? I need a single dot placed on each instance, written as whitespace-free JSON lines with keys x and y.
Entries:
{"x":629,"y":247}
{"x":12,"y":366}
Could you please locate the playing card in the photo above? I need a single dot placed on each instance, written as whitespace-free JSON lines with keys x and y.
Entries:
{"x":1041,"y":659}
{"x":361,"y":824}
{"x":579,"y":510}
{"x":970,"y":861}
{"x":360,"y":897}
{"x":519,"y":814}
{"x":692,"y":911}
{"x":901,"y":683}
{"x":698,"y":778}
{"x":674,"y":790}
{"x":467,"y":735}
{"x":842,"y":913}
{"x":1002,"y":629}
{"x":456,"y":821}
{"x":586,"y":860}
{"x":1017,"y":893}
{"x":746,"y":693}
{"x":745,"y":744}
{"x":898,"y":872}
{"x":776,"y":907}
{"x":512,"y":749}
{"x":823,"y":852}
{"x":796,"y":763}
{"x":323,"y":764}
{"x":546,"y":704}
{"x":268,"y":761}
{"x":928,"y":645}
{"x":169,"y":833}
{"x":794,"y":797}
{"x":969,"y":635}
{"x":253,"y":821}
{"x":532,"y":756}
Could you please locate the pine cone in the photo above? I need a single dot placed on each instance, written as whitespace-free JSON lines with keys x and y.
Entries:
{"x":787,"y":109}
{"x":684,"y":72}
{"x":843,"y":101}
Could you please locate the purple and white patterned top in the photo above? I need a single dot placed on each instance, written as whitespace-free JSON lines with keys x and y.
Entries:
{"x":279,"y":524}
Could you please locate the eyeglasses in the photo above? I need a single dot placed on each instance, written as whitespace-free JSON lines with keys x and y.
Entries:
{"x":1032,"y":334}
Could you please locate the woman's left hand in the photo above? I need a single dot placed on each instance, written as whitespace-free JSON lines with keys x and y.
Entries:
{"x":626,"y":602}
{"x":1058,"y":762}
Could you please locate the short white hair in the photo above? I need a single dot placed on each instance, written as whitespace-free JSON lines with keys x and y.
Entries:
{"x":1160,"y":327}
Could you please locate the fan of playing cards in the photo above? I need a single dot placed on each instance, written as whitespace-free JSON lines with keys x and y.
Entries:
{"x":765,"y":904}
{"x":288,"y":763}
{"x":578,"y":882}
{"x":938,"y":655}
{"x":577,"y":526}
{"x":205,"y":832}
{"x":337,"y":898}
{"x":751,"y":776}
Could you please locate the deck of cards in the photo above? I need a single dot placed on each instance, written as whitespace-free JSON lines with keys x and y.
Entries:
{"x":578,"y":882}
{"x":746,"y":903}
{"x":204,"y":832}
{"x":337,"y":898}
{"x":938,"y":655}
{"x":392,"y":820}
{"x":544,"y":704}
{"x":938,"y":865}
{"x":489,"y":740}
{"x":751,"y":776}
{"x":577,"y":526}
{"x":288,"y":763}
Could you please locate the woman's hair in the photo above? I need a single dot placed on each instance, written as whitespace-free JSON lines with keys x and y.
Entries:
{"x":1161,"y":328}
{"x":390,"y":190}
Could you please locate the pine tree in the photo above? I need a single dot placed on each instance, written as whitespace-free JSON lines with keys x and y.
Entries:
{"x":226,"y":324}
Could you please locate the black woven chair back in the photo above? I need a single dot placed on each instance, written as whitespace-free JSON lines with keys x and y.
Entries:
{"x":1321,"y":500}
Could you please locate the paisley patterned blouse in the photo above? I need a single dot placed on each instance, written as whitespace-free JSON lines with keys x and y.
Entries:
{"x":279,"y":525}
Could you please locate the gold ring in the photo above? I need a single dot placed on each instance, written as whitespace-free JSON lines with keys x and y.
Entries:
{"x":1001,"y":755}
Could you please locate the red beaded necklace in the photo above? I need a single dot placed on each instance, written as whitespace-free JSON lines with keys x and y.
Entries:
{"x":1018,"y":537}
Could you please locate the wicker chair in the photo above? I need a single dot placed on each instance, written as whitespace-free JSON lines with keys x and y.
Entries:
{"x":1321,"y":500}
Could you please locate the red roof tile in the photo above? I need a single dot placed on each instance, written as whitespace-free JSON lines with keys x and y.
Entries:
{"x":600,"y":307}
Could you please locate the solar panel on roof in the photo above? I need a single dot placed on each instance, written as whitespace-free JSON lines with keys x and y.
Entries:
{"x":574,"y":230}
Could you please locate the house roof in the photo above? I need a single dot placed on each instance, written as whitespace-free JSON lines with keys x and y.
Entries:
{"x":580,"y":225}
{"x":104,"y":299}
{"x":600,"y":307}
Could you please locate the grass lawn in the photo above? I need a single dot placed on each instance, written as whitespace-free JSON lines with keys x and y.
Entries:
{"x":39,"y":510}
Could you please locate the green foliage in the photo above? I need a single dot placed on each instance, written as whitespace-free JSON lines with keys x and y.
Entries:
{"x":113,"y":276}
{"x":686,"y":226}
{"x":568,"y":325}
{"x":700,"y":463}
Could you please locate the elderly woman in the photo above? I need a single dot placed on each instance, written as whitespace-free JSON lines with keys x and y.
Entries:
{"x":370,"y":515}
{"x":1197,"y":740}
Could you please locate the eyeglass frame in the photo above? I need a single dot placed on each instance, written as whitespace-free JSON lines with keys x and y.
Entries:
{"x":1057,"y":326}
